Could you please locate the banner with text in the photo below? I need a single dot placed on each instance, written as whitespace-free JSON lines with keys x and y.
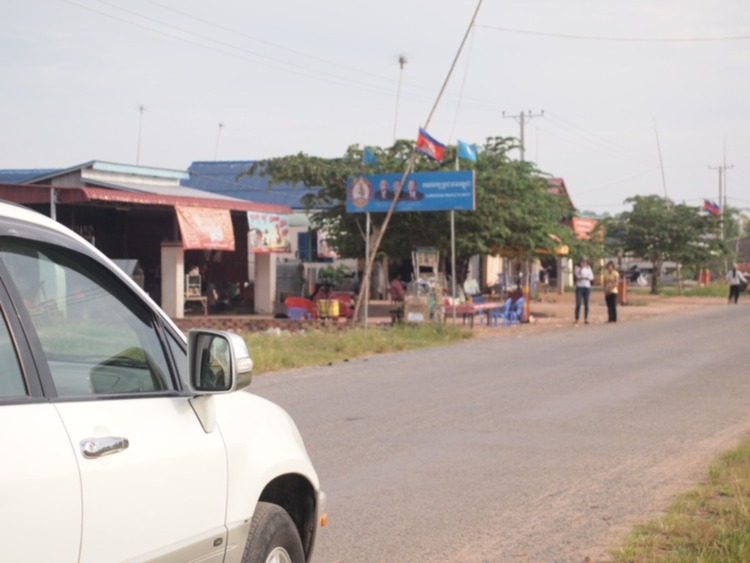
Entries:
{"x":205,"y":228}
{"x":423,"y":191}
{"x":583,"y":227}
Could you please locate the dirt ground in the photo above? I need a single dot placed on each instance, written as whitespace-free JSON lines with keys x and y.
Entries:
{"x":555,"y":311}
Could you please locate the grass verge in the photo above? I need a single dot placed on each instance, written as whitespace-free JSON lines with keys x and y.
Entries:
{"x":709,"y":524}
{"x":716,"y":289}
{"x":271,"y":352}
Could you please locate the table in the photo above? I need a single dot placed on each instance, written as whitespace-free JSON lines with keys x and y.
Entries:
{"x":203,"y":301}
{"x":467,"y":311}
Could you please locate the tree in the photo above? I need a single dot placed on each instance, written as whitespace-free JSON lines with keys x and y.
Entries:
{"x":658,"y":230}
{"x":514,"y":209}
{"x":732,"y":222}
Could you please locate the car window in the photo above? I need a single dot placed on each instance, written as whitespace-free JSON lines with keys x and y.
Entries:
{"x":11,"y":378}
{"x":97,"y":336}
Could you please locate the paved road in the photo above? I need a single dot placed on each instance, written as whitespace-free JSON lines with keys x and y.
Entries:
{"x":530,"y":448}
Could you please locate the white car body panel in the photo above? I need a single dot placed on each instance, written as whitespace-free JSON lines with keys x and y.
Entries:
{"x":39,"y":484}
{"x":283,"y":450}
{"x":168,"y":487}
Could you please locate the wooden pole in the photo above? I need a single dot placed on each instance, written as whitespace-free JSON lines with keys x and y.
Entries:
{"x":410,"y":166}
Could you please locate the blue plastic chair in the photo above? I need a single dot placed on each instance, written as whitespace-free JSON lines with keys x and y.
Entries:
{"x":514,"y":313}
{"x":298,"y":314}
{"x":500,"y":312}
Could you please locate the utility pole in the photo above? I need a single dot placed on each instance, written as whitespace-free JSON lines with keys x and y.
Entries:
{"x":218,"y":136}
{"x":661,"y":165}
{"x":401,"y":62}
{"x":141,"y":109}
{"x":724,"y":164}
{"x":522,"y":118}
{"x":722,"y":193}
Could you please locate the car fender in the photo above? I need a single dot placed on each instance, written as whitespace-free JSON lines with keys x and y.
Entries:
{"x":262,"y":444}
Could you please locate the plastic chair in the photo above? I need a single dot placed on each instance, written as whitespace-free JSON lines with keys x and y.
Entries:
{"x":298,"y":314}
{"x":515,"y":312}
{"x":500,"y":312}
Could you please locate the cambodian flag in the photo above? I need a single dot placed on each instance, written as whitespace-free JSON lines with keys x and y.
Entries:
{"x":711,"y":206}
{"x":429,"y":146}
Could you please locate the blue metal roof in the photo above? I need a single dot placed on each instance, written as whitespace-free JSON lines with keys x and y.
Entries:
{"x":24,"y":176}
{"x":221,"y":177}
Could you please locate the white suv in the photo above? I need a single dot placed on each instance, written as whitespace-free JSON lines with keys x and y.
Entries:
{"x":122,"y":441}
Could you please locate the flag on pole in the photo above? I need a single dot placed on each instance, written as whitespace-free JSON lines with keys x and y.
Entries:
{"x":369,"y":157}
{"x":467,"y":151}
{"x":711,"y":206}
{"x":429,"y":146}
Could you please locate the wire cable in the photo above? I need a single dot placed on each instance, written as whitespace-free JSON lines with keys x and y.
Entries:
{"x":617,"y":39}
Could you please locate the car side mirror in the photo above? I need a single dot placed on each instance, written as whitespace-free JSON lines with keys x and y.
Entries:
{"x":219,"y":362}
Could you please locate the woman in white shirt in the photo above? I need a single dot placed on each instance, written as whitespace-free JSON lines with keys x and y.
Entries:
{"x":583,"y":276}
{"x":735,"y":279}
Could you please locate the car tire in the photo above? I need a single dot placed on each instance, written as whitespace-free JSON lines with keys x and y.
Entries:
{"x":273,"y":538}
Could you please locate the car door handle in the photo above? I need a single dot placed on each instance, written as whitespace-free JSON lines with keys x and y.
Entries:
{"x":98,"y":447}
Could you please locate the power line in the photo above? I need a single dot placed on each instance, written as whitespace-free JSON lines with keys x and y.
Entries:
{"x":618,"y":39}
{"x":597,"y":140}
{"x":256,"y":58}
{"x":463,"y":86}
{"x":379,"y":87}
{"x":621,"y":180}
{"x":273,"y":44}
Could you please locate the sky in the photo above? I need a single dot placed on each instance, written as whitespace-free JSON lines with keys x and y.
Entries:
{"x":619,"y":98}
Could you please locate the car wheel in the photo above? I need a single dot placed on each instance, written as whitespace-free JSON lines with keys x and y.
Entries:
{"x":273,"y":537}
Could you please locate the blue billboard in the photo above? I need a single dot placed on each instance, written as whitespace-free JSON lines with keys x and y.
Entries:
{"x":422,"y":191}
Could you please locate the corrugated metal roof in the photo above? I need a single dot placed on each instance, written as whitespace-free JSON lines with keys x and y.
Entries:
{"x":223,"y":177}
{"x":219,"y":180}
{"x":110,"y":167}
{"x":179,"y":191}
{"x":26,"y":194}
{"x":23,"y":176}
{"x":138,"y":170}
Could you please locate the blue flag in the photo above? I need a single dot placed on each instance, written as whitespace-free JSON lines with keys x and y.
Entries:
{"x":369,"y":157}
{"x":467,"y":151}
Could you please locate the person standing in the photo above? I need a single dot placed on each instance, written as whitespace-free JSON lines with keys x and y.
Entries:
{"x":397,"y":289}
{"x":735,"y":279}
{"x":610,"y":283}
{"x":583,"y":277}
